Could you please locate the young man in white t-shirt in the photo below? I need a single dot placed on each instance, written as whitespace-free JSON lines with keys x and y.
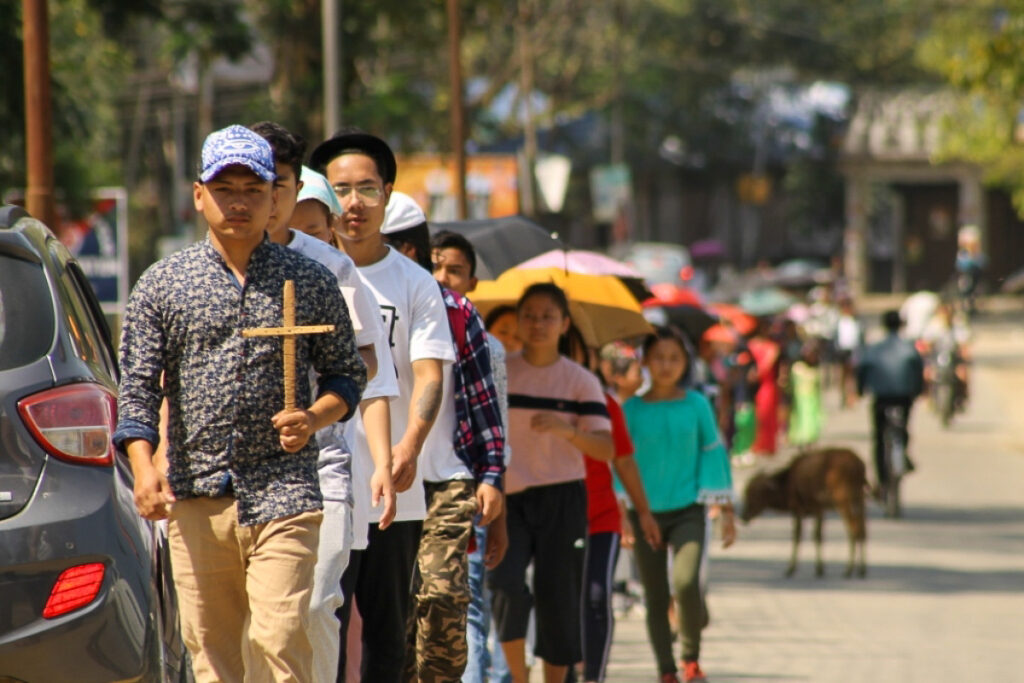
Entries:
{"x":361,"y":168}
{"x":463,"y":464}
{"x":335,"y":458}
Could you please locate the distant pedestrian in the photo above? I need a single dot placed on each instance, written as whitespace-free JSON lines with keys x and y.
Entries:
{"x":684,"y":467}
{"x":807,"y":415}
{"x":767,"y":356}
{"x":849,"y":340}
{"x":969,"y":264}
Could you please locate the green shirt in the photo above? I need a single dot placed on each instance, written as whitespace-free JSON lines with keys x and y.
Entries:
{"x":679,"y":451}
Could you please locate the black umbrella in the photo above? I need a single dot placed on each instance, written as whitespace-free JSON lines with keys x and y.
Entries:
{"x":502,"y":243}
{"x":637,"y":287}
{"x":692,"y":320}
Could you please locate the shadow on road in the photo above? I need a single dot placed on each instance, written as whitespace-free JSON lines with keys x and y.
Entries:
{"x":905,"y":579}
{"x":726,"y":676}
{"x":887,"y":578}
{"x":928,"y":531}
{"x":965,"y":515}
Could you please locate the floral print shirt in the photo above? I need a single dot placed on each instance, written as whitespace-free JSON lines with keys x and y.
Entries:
{"x":184,"y":321}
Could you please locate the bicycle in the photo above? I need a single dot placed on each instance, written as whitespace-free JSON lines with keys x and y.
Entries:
{"x":894,"y":440}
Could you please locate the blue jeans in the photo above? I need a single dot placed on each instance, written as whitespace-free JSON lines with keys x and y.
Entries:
{"x":482,"y":665}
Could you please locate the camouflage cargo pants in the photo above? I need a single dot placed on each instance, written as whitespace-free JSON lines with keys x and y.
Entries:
{"x":437,"y":648}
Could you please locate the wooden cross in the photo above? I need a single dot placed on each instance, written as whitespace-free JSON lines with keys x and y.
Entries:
{"x":289,"y":331}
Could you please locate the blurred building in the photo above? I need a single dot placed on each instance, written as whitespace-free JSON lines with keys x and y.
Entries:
{"x":903,"y":209}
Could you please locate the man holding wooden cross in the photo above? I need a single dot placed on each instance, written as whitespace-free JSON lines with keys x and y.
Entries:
{"x":241,"y":491}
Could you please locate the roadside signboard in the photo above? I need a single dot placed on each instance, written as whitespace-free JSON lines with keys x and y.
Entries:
{"x":99,"y":242}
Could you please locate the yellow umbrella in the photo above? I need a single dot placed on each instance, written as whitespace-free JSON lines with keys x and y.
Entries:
{"x":602,"y":308}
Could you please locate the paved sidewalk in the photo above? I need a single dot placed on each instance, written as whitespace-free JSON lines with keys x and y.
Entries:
{"x":944,"y":596}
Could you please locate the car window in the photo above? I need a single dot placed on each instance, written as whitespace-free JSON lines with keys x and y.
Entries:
{"x":26,"y":313}
{"x":83,"y":331}
{"x":93,"y":312}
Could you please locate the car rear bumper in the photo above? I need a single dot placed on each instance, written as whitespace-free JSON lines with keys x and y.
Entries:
{"x":111,"y":638}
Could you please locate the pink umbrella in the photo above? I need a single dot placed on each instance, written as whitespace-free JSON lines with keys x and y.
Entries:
{"x":580,"y":261}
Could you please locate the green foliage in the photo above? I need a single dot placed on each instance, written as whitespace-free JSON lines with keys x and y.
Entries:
{"x":86,"y":70}
{"x":976,"y":48}
{"x":211,"y":28}
{"x":813,"y":185}
{"x":395,"y":71}
{"x":660,"y":66}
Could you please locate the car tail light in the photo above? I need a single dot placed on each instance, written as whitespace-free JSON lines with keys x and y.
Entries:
{"x":73,"y":422}
{"x":75,"y":587}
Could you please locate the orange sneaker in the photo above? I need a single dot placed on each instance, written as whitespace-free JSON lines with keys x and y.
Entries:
{"x":692,"y":673}
{"x":668,"y":678}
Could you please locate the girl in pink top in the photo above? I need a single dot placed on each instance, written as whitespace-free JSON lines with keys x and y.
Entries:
{"x":557,"y":412}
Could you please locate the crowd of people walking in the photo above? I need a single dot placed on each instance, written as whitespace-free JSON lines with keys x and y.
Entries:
{"x":447,"y":498}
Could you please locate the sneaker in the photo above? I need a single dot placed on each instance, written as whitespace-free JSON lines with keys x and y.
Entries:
{"x":668,"y":678}
{"x":692,"y":673}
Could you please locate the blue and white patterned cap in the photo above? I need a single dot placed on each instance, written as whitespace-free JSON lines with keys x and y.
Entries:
{"x":316,"y":186}
{"x":237,"y":146}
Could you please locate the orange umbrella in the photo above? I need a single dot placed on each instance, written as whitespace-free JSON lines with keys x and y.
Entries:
{"x":601,"y":306}
{"x":740,"y":320}
{"x":720,"y":333}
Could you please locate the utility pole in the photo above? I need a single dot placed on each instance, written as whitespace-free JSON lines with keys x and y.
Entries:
{"x":39,"y":198}
{"x":618,"y":133}
{"x":527,"y":198}
{"x":458,"y":123}
{"x":330,"y":27}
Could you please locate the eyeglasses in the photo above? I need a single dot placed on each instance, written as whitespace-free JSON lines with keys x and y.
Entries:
{"x":370,"y":195}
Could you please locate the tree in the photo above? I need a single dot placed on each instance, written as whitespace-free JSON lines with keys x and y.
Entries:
{"x":976,"y":48}
{"x":86,"y":68}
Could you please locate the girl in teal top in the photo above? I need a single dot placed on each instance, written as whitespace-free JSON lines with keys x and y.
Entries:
{"x":684,"y":466}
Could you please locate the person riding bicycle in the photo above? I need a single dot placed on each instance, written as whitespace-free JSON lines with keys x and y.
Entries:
{"x":969,"y":263}
{"x":948,"y":334}
{"x":893,"y":372}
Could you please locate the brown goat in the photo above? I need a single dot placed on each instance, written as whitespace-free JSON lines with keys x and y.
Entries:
{"x":816,"y":481}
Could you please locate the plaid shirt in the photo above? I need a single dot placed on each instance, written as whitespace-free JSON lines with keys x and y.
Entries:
{"x":479,"y":432}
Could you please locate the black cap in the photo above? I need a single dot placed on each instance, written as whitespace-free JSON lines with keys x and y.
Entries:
{"x":355,"y":139}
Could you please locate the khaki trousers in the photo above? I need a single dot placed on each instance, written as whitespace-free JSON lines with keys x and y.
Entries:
{"x":243,"y":588}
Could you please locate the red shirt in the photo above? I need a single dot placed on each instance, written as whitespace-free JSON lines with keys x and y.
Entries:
{"x":602,"y":506}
